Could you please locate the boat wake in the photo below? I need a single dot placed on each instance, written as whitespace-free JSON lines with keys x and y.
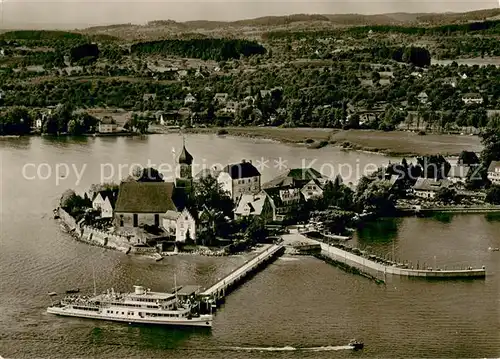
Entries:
{"x":288,"y":348}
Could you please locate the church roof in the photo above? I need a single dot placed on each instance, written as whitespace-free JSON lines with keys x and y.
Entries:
{"x":185,"y":157}
{"x":146,"y":197}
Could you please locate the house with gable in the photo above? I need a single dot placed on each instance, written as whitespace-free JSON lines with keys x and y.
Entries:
{"x":107,"y":125}
{"x":181,"y":225}
{"x":428,"y":187}
{"x":231,"y":107}
{"x":190,"y":99}
{"x":494,"y":172}
{"x":282,"y":201}
{"x":308,"y":180}
{"x":423,"y":98}
{"x":472,"y":98}
{"x":221,"y":98}
{"x":104,"y":202}
{"x":239,"y":179}
{"x":255,"y":205}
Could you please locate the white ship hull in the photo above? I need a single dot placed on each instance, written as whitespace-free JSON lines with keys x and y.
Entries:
{"x":201,"y":321}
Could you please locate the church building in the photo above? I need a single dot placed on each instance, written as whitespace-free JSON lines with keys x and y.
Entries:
{"x":160,"y":204}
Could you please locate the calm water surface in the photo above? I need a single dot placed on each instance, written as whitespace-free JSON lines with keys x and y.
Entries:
{"x":297,"y":307}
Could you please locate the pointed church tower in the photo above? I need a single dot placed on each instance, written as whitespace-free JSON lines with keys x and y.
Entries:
{"x":185,"y":162}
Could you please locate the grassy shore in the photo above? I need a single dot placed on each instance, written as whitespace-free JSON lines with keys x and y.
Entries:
{"x":396,"y":143}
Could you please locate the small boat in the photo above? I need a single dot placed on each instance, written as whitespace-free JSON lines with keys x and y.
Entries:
{"x":493,"y":249}
{"x":73,"y":291}
{"x":356,"y":345}
{"x":52,"y":294}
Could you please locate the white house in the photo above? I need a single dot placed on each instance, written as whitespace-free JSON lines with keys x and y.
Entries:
{"x":221,"y":97}
{"x":231,"y":107}
{"x":427,"y":188}
{"x":182,"y":73}
{"x":472,"y":98}
{"x":162,"y":121}
{"x":107,"y":125}
{"x":239,"y":179}
{"x":450,"y":81}
{"x":282,"y":201}
{"x":422,"y":97}
{"x":180,"y":224}
{"x":254,"y":205}
{"x":416,"y":74}
{"x":312,"y":189}
{"x":494,"y":172}
{"x":189,"y":99}
{"x":464,"y":76}
{"x":104,"y":202}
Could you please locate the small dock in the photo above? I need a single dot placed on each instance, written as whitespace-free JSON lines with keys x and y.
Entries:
{"x":219,"y":290}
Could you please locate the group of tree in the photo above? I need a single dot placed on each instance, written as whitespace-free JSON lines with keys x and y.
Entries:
{"x":206,"y":49}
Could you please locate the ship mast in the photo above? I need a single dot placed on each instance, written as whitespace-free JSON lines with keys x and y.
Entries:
{"x":93,"y":276}
{"x":175,"y":286}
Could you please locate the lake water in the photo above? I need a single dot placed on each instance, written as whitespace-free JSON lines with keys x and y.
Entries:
{"x":297,"y":307}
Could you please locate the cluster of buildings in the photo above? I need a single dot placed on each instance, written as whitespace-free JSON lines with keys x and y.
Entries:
{"x":467,"y":166}
{"x":163,"y":204}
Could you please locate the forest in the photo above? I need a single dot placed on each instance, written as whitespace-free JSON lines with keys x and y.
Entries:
{"x":206,"y":49}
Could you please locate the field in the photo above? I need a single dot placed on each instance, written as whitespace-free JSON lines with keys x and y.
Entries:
{"x":394,"y":143}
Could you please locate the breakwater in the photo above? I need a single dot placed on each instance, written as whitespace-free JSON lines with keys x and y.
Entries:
{"x":348,"y":268}
{"x":400,"y":269}
{"x":340,"y":252}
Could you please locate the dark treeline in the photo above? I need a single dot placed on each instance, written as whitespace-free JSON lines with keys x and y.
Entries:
{"x":51,"y":35}
{"x":84,"y":51}
{"x":483,"y":26}
{"x":417,"y":56}
{"x":206,"y":49}
{"x":36,"y":35}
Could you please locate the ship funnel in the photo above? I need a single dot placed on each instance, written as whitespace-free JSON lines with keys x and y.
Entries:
{"x":139,"y":289}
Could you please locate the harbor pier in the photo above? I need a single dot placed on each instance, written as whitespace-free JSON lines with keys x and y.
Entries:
{"x":340,"y":254}
{"x":215,"y":294}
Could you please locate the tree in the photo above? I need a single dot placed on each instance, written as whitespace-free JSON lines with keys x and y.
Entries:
{"x":336,"y":221}
{"x":377,"y":197}
{"x":490,"y":138}
{"x":16,"y":121}
{"x":189,"y":240}
{"x":147,"y":175}
{"x":435,"y":166}
{"x":446,"y":195}
{"x":208,"y":194}
{"x":336,"y":194}
{"x":256,"y":230}
{"x":493,"y":195}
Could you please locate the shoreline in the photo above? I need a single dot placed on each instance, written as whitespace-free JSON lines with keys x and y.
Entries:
{"x":392,"y":143}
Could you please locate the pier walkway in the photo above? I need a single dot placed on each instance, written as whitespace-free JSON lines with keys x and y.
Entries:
{"x":339,"y":254}
{"x":219,"y":290}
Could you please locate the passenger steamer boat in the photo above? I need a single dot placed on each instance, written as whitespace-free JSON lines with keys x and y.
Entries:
{"x":141,"y":306}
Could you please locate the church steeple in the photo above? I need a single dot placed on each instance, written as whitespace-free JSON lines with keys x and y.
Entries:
{"x":185,"y":162}
{"x":185,"y":157}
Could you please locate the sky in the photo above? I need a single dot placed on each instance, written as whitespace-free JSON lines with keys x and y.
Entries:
{"x":84,"y":13}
